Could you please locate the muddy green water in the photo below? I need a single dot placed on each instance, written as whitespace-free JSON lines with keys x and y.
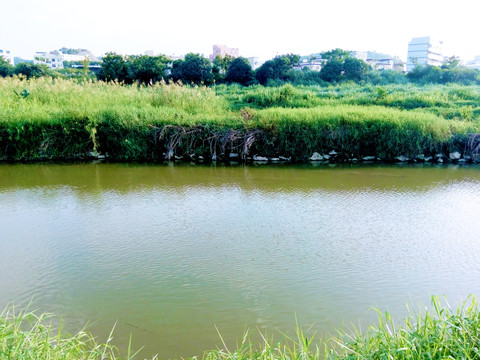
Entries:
{"x":169,"y":252}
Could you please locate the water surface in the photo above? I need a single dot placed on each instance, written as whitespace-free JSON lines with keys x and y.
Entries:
{"x":168,"y":253}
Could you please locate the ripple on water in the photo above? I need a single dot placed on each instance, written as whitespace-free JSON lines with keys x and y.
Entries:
{"x":170,"y":251}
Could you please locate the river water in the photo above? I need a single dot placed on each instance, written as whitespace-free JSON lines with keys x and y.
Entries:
{"x":171,"y":253}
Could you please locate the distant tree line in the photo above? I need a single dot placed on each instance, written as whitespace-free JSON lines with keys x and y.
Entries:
{"x":338,"y":66}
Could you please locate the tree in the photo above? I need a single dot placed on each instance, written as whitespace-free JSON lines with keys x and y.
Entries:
{"x":113,"y":68}
{"x":146,"y":69}
{"x":354,"y":69}
{"x":265,"y":72}
{"x":240,"y":71}
{"x":222,"y":63}
{"x":335,"y":54}
{"x":194,"y":69}
{"x":451,"y":63}
{"x":6,"y":69}
{"x":277,"y":68}
{"x":31,"y":70}
{"x":332,"y":71}
{"x":86,"y":64}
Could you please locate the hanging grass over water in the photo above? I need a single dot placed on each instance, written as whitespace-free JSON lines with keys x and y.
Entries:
{"x":440,"y":333}
{"x":66,"y":119}
{"x":32,"y":336}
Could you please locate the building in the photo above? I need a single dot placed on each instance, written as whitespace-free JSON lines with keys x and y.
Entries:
{"x":254,"y":62}
{"x":424,"y":51}
{"x":360,"y":55}
{"x":312,"y":62}
{"x":380,"y":61}
{"x":8,"y":56}
{"x":223,"y":50}
{"x":474,"y":64}
{"x":53,"y":59}
{"x":74,"y":57}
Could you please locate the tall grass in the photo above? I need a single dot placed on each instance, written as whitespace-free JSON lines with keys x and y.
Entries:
{"x":32,"y":336}
{"x":68,"y":119}
{"x":438,"y":333}
{"x":442,"y":333}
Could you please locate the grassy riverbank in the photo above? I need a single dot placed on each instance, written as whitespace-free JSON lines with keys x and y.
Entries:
{"x":62,"y":119}
{"x":442,"y":333}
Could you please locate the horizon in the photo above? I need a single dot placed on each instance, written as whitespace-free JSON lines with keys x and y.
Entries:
{"x":257,"y":29}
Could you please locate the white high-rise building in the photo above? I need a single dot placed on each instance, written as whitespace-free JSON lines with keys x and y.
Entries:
{"x":424,"y":51}
{"x":54,"y":59}
{"x":7,"y":55}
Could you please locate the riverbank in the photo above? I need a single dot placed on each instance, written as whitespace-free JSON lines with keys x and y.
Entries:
{"x":46,"y":119}
{"x":437,"y":334}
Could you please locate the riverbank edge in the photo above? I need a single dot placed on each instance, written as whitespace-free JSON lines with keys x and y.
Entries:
{"x":439,"y":333}
{"x":79,"y":139}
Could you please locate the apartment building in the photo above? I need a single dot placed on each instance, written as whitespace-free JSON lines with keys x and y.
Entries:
{"x":7,"y":55}
{"x":424,"y":51}
{"x":223,"y":50}
{"x":54,"y":59}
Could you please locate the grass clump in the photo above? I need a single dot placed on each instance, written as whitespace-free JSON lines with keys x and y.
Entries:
{"x":442,"y":333}
{"x":26,"y":335}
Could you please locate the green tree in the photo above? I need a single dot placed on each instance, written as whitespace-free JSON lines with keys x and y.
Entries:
{"x":146,"y":69}
{"x":194,"y":69}
{"x":86,"y":64}
{"x":332,"y":71}
{"x":222,"y":63}
{"x":451,"y":63}
{"x":354,"y":69}
{"x":240,"y":71}
{"x":31,"y":70}
{"x":6,"y":69}
{"x":113,"y":67}
{"x":277,"y":68}
{"x":335,"y":54}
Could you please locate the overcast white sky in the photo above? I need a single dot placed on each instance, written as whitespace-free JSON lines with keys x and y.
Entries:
{"x":261,"y":28}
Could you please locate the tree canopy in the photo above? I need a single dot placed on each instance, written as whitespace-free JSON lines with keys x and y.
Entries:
{"x":113,"y":68}
{"x":240,"y":71}
{"x":277,"y":68}
{"x":339,"y":66}
{"x":194,"y":69}
{"x":31,"y":70}
{"x":146,"y":69}
{"x":6,"y":69}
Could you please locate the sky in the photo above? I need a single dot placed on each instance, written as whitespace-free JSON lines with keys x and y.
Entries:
{"x":262,"y":28}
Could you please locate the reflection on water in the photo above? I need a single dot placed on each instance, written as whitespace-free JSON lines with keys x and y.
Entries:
{"x":170,"y":252}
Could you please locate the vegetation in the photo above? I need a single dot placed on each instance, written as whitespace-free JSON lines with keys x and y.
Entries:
{"x":337,"y":66}
{"x":194,"y":69}
{"x":442,"y":333}
{"x":240,"y":71}
{"x":276,"y":69}
{"x":62,"y":119}
{"x":143,"y":69}
{"x":27,"y":335}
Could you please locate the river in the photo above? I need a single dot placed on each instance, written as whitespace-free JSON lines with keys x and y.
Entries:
{"x":172,"y":253}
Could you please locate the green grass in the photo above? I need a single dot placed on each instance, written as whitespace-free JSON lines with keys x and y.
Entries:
{"x":31,"y":336}
{"x":439,"y":333}
{"x":62,"y":119}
